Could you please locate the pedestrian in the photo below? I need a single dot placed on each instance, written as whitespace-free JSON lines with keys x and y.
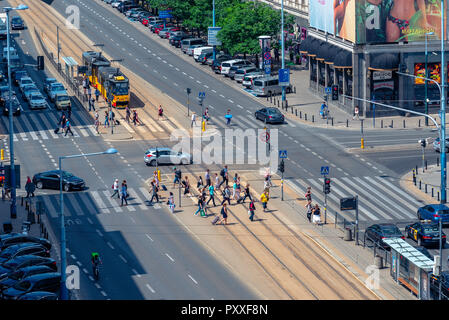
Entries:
{"x":251,"y":210}
{"x":276,"y":54}
{"x":85,"y":85}
{"x":97,"y":94}
{"x":247,"y":195}
{"x":97,"y":122}
{"x":69,"y":111}
{"x":186,"y":184}
{"x":156,"y":179}
{"x":160,"y":112}
{"x":62,"y":121}
{"x":124,"y":193}
{"x":323,"y":110}
{"x":200,"y":207}
{"x":264,"y":199}
{"x":308,"y":194}
{"x":30,"y":187}
{"x":135,"y":118}
{"x":106,"y":119}
{"x":89,"y":93}
{"x":238,"y":188}
{"x":200,"y":183}
{"x":178,"y":176}
{"x":316,"y":214}
{"x":68,"y":127}
{"x":217,"y":181}
{"x":224,"y":175}
{"x":154,"y":194}
{"x":226,"y":195}
{"x":171,"y":202}
{"x":116,"y":189}
{"x":92,"y":102}
{"x":266,"y":185}
{"x":228,"y":117}
{"x":111,"y":116}
{"x":211,"y":195}
{"x":224,"y":214}
{"x":207,"y":176}
{"x":309,"y":209}
{"x":356,"y":113}
{"x":234,"y":190}
{"x":193,"y":119}
{"x":128,"y":114}
{"x":206,"y":114}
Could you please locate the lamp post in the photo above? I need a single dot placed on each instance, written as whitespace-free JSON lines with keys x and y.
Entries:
{"x":64,"y":293}
{"x":425,"y":81}
{"x":213,"y":25}
{"x":443,"y":111}
{"x":282,"y":48}
{"x":13,"y":209}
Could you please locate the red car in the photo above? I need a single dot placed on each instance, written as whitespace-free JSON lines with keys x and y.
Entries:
{"x":160,"y":27}
{"x":146,"y":20}
{"x":168,"y":33}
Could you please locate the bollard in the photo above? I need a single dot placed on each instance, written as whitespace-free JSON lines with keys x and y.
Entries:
{"x":438,"y":195}
{"x":425,"y":188}
{"x":22,"y":202}
{"x":286,"y":105}
{"x":419,"y":184}
{"x":292,"y":110}
{"x":305,"y":116}
{"x":416,"y":168}
{"x":271,"y":99}
{"x":26,"y":205}
{"x":378,"y":262}
{"x":381,"y":123}
{"x":414,"y":177}
{"x":294,"y":89}
{"x":296,"y":112}
{"x":347,"y":123}
{"x":392,"y":123}
{"x":419,"y":123}
{"x":348,"y":234}
{"x":332,"y":121}
{"x":438,"y":161}
{"x":403,"y":123}
{"x":278,"y":103}
{"x":313,"y":118}
{"x":432,"y":192}
{"x":267,"y":98}
{"x":425,"y":162}
{"x":300,"y":114}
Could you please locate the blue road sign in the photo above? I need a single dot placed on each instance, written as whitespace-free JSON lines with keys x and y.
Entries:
{"x":324,"y":171}
{"x":283,"y":154}
{"x":328,"y":90}
{"x":267,"y":55}
{"x":165,"y":14}
{"x":267,"y":69}
{"x":201,"y":94}
{"x":284,"y":77}
{"x":212,"y":39}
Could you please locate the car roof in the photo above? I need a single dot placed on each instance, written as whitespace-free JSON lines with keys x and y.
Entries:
{"x":38,"y":267}
{"x":24,"y":245}
{"x":40,"y":276}
{"x":439,"y":206}
{"x":27,"y":257}
{"x":159,"y":149}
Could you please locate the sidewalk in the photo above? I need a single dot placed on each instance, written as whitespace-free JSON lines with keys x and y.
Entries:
{"x":429,"y":179}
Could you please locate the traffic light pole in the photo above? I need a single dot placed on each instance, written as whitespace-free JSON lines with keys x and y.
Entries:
{"x":282,"y":186}
{"x":356,"y":220}
{"x":423,"y":160}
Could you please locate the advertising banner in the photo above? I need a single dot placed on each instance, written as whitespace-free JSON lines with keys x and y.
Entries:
{"x":433,"y":72}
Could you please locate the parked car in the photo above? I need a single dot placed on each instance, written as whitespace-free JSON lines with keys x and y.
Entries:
{"x":191,"y":48}
{"x":39,"y":295}
{"x":204,"y":56}
{"x":16,"y":238}
{"x":249,"y":78}
{"x":186,"y":43}
{"x":377,"y":232}
{"x":37,"y":101}
{"x":25,"y":261}
{"x":435,"y":284}
{"x":163,"y":33}
{"x":425,"y":233}
{"x":434,"y":212}
{"x":50,"y":180}
{"x":216,"y":64}
{"x":146,"y":20}
{"x":234,"y":70}
{"x":436,"y":145}
{"x":4,"y":104}
{"x":17,"y":23}
{"x":166,"y":156}
{"x":22,"y":249}
{"x":269,"y":115}
{"x":268,"y":86}
{"x":62,"y":101}
{"x":56,"y":88}
{"x":198,"y":51}
{"x":47,"y":83}
{"x":50,"y":282}
{"x":176,"y":39}
{"x":156,"y":28}
{"x":142,"y":15}
{"x":242,"y":72}
{"x":226,"y":65}
{"x":22,"y":273}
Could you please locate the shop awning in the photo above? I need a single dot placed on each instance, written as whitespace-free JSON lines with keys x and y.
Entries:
{"x":305,"y":45}
{"x":322,"y":51}
{"x":343,"y":59}
{"x":314,"y":47}
{"x":384,"y":61}
{"x":330,"y":54}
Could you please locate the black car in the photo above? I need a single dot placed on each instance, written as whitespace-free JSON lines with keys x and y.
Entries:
{"x":39,"y":295}
{"x":425,"y":233}
{"x":4,"y":105}
{"x":22,"y":249}
{"x":22,"y":273}
{"x":16,"y":238}
{"x":176,"y":40}
{"x":377,"y":232}
{"x":24,"y":261}
{"x":269,"y":115}
{"x":50,"y":282}
{"x":435,"y":283}
{"x":50,"y":180}
{"x":17,"y":23}
{"x":17,"y":75}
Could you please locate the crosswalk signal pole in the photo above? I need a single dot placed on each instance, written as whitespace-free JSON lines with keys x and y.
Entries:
{"x":356,"y":220}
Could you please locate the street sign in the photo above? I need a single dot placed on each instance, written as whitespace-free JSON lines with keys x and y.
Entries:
{"x":212,"y":36}
{"x":283,"y":154}
{"x":267,"y":55}
{"x":348,"y":204}
{"x":328,"y":90}
{"x":267,"y":69}
{"x":165,"y":14}
{"x":265,"y":136}
{"x":324,"y":170}
{"x":201,"y":94}
{"x":284,"y":77}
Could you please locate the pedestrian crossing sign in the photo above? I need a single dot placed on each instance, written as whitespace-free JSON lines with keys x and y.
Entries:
{"x":325,"y":171}
{"x":201,"y":94}
{"x":283,"y":154}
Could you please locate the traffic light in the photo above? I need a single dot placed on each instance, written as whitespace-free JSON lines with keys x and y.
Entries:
{"x":281,"y":166}
{"x":188,"y":90}
{"x":40,"y":62}
{"x":334,"y":92}
{"x":327,"y":186}
{"x":423,"y":142}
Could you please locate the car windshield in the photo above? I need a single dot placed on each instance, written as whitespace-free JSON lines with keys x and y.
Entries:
{"x":273,"y":111}
{"x":26,"y":81}
{"x":258,"y":83}
{"x":63,"y":98}
{"x":30,"y":88}
{"x":36,"y":97}
{"x":121,"y":88}
{"x":57,"y":88}
{"x":433,"y":228}
{"x":443,"y":211}
{"x":16,"y":20}
{"x":390,"y":230}
{"x":66,"y":174}
{"x":22,"y":285}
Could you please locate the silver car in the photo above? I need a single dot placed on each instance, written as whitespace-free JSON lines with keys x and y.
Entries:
{"x":240,"y":73}
{"x":166,"y":156}
{"x":192,"y":47}
{"x":250,"y":77}
{"x":436,"y":145}
{"x":37,"y":101}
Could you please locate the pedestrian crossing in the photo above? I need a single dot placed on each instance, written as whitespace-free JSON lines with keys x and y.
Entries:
{"x":379,"y":198}
{"x":97,"y":202}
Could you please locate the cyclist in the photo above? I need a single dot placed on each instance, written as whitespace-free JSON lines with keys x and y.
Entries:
{"x":324,"y":110}
{"x":95,"y":262}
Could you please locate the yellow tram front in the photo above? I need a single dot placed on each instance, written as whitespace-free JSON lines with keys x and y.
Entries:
{"x":93,"y":61}
{"x":114,"y":86}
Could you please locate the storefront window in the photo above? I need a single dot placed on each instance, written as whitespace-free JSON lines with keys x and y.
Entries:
{"x":330,"y":79}
{"x":313,"y":70}
{"x":349,"y":85}
{"x":322,"y":74}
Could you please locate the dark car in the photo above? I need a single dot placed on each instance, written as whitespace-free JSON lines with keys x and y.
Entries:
{"x":176,"y":40}
{"x":17,"y":238}
{"x":4,"y":105}
{"x":435,"y":283}
{"x":24,"y":261}
{"x":22,"y":249}
{"x":204,"y":56}
{"x":17,"y":75}
{"x":50,"y":282}
{"x":50,"y":180}
{"x":22,"y":273}
{"x":377,"y":232}
{"x":216,"y":64}
{"x":39,"y":295}
{"x":425,"y":233}
{"x":434,"y":212}
{"x":17,"y":23}
{"x":269,"y":115}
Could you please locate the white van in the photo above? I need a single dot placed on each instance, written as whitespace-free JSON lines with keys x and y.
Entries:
{"x":200,"y":50}
{"x":186,"y":43}
{"x":268,"y":86}
{"x":226,"y":66}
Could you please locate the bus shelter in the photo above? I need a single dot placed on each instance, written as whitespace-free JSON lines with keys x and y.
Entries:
{"x":410,"y":267}
{"x":70,"y":63}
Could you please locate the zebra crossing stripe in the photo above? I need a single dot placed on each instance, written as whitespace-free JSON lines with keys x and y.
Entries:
{"x":100,"y":204}
{"x":92,"y":130}
{"x":153,"y":124}
{"x":145,"y":193}
{"x":75,"y":134}
{"x":70,"y":198}
{"x":113,"y":204}
{"x":83,"y":131}
{"x":177,"y":124}
{"x":251,"y":124}
{"x":391,"y":194}
{"x":142,"y":203}
{"x":43,"y":134}
{"x":403,"y":193}
{"x":49,"y":206}
{"x":168,"y":125}
{"x":52,"y":133}
{"x":24,"y":136}
{"x":33,"y":135}
{"x":14,"y":137}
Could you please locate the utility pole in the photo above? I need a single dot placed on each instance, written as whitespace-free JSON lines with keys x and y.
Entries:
{"x":188,"y":101}
{"x":213,"y":25}
{"x":443,"y":110}
{"x":282,"y":47}
{"x":57,"y":40}
{"x":356,"y":220}
{"x":440,"y":227}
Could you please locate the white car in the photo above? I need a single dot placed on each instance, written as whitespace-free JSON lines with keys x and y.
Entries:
{"x":37,"y":101}
{"x":24,"y":81}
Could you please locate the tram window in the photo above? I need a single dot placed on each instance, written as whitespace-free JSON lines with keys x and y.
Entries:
{"x":120,"y":88}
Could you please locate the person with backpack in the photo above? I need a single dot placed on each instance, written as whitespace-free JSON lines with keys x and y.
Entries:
{"x":251,"y":210}
{"x":211,"y":195}
{"x":154,"y":194}
{"x":124,"y":193}
{"x":200,"y":183}
{"x":186,"y":184}
{"x":264,"y":199}
{"x":226,"y":195}
{"x":178,"y":176}
{"x":115,"y":188}
{"x":97,"y":94}
{"x":68,"y":128}
{"x":247,"y":195}
{"x":200,"y":207}
{"x":224,"y":175}
{"x":224,"y":214}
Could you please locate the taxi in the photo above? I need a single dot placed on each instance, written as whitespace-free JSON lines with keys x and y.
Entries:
{"x":425,"y":232}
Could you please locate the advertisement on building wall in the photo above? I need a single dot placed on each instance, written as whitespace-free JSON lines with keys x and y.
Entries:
{"x":377,"y":21}
{"x":433,"y":71}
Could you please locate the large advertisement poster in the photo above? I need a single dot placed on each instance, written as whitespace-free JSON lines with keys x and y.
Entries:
{"x":433,"y":71}
{"x":377,"y":21}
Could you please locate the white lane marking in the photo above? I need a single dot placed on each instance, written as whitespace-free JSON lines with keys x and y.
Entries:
{"x":123,"y":258}
{"x":149,"y":287}
{"x":97,"y":285}
{"x":110,"y":245}
{"x":230,"y":101}
{"x":73,"y":256}
{"x":214,"y":91}
{"x":206,"y":86}
{"x":177,"y":69}
{"x":192,"y":279}
{"x":240,"y":106}
{"x":99,"y":232}
{"x":222,"y":96}
{"x":170,"y":257}
{"x":149,"y":237}
{"x":103,"y":293}
{"x":136,"y":273}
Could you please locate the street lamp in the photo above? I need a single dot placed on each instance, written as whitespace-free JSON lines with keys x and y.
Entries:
{"x":13,"y":210}
{"x":425,"y":83}
{"x":64,"y":294}
{"x":282,"y":48}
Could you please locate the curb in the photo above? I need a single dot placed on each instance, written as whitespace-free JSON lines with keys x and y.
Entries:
{"x":393,"y":147}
